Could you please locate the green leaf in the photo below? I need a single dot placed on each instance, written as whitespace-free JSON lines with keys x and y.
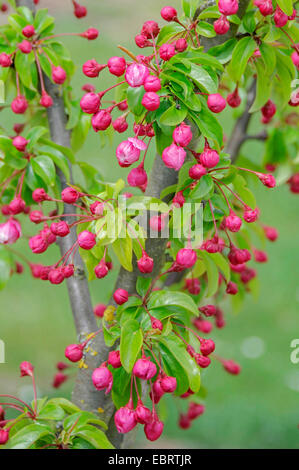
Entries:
{"x":65,"y":150}
{"x":241,"y":54}
{"x":165,"y":298}
{"x":123,"y":249}
{"x":28,"y":435}
{"x":286,"y":6}
{"x":268,"y":56}
{"x":65,"y":404}
{"x":34,"y":134}
{"x":224,"y":51}
{"x":203,"y":79}
{"x":208,"y":125}
{"x":45,"y":168}
{"x":51,"y":411}
{"x":205,"y":29}
{"x":173,"y":116}
{"x":212,"y":273}
{"x":23,"y":66}
{"x":178,"y":350}
{"x":203,"y":187}
{"x":58,"y":158}
{"x":222,"y":264}
{"x":249,"y":21}
{"x":95,"y":437}
{"x":168,"y":31}
{"x":5,"y":266}
{"x":263,"y":87}
{"x":81,"y":418}
{"x":142,"y":285}
{"x":130,"y":344}
{"x":134,"y":98}
{"x":174,"y":369}
{"x":240,"y":186}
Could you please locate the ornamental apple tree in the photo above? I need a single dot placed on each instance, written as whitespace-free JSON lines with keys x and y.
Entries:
{"x":154,"y":336}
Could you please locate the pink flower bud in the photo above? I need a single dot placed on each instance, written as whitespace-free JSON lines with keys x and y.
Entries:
{"x":70,"y":195}
{"x":99,"y":310}
{"x":79,"y":10}
{"x":36,"y":270}
{"x":46,"y":100}
{"x":152,"y":84}
{"x":216,"y":103}
{"x":58,"y":75}
{"x":271,"y":233}
{"x":232,"y":288}
{"x":151,"y":101}
{"x":102,"y":379}
{"x":20,"y":143}
{"x":181,"y":45}
{"x":17,"y":205}
{"x":295,"y":59}
{"x":144,"y":369}
{"x":26,"y":368}
{"x":142,"y":413}
{"x":90,"y":103}
{"x":145,"y":263}
{"x":195,"y":410}
{"x":74,"y":352}
{"x":209,"y":158}
{"x":186,"y":258}
{"x":117,"y":66}
{"x":267,"y":180}
{"x":136,"y":74}
{"x":59,"y":379}
{"x":280,"y":18}
{"x":142,"y":41}
{"x":114,"y":359}
{"x":265,"y":7}
{"x":90,"y":34}
{"x":237,"y":256}
{"x":121,"y":296}
{"x":68,"y":270}
{"x":221,"y":26}
{"x":203,"y":325}
{"x":157,"y":223}
{"x":269,"y":109}
{"x":168,"y":384}
{"x":10,"y":232}
{"x":233,"y":99}
{"x":137,"y":177}
{"x":19,"y":105}
{"x":197,"y":171}
{"x":127,"y":153}
{"x":61,"y":229}
{"x":207,"y":347}
{"x":193,"y":286}
{"x":38,"y":244}
{"x":202,"y":361}
{"x":125,"y":419}
{"x":86,"y":240}
{"x":174,"y":156}
{"x":232,"y":222}
{"x":120,"y":124}
{"x":178,"y":200}
{"x":5,"y":60}
{"x":92,"y":69}
{"x":153,"y":429}
{"x":97,"y":208}
{"x":4,"y":436}
{"x":184,"y":422}
{"x":25,"y":46}
{"x":56,"y":276}
{"x":208,"y":310}
{"x":156,"y":324}
{"x":169,"y":13}
{"x":247,"y":274}
{"x":150,"y":29}
{"x":232,"y":367}
{"x":260,"y":256}
{"x":182,"y":135}
{"x":228,"y":7}
{"x":101,"y":120}
{"x":250,"y":215}
{"x":101,"y":270}
{"x":40,"y":195}
{"x":167,"y":51}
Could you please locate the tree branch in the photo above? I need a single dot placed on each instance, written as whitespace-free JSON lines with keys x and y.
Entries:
{"x":84,"y":394}
{"x":239,"y":133}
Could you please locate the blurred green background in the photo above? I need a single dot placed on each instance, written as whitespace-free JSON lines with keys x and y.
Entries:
{"x":259,"y":408}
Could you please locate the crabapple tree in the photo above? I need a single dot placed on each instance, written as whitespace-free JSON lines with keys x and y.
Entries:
{"x":184,"y":233}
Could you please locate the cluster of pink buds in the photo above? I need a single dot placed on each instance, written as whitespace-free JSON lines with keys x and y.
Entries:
{"x":194,"y":411}
{"x":174,"y":155}
{"x":280,"y":18}
{"x":60,"y":377}
{"x":226,"y":8}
